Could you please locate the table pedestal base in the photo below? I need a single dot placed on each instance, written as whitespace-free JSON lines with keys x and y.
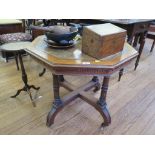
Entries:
{"x":24,"y":78}
{"x":99,"y":105}
{"x":27,"y":89}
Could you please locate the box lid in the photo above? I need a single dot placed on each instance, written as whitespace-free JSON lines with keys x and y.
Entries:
{"x":105,"y":29}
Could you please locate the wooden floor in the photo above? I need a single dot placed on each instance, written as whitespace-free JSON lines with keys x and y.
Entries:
{"x":131,"y":102}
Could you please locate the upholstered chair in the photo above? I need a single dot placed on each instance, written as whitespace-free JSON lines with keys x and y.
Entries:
{"x":15,"y":37}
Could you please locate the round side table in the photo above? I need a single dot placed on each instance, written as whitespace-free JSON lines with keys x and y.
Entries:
{"x":18,"y":48}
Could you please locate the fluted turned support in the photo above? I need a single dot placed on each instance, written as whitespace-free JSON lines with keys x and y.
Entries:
{"x":57,"y":104}
{"x":102,"y":102}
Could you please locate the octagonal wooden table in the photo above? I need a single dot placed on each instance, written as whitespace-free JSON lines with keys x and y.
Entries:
{"x":72,"y":61}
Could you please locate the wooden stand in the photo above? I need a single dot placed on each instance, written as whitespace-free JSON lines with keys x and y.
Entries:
{"x":59,"y":103}
{"x":24,"y":78}
{"x":67,"y":63}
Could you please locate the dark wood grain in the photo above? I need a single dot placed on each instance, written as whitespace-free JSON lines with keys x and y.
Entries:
{"x":61,"y":65}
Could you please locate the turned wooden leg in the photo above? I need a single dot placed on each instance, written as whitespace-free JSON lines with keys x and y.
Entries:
{"x":152,"y":46}
{"x":136,"y":40}
{"x":97,"y":86}
{"x":18,"y":92}
{"x":142,"y":42}
{"x":16,"y":59}
{"x":102,"y":102}
{"x":57,"y":104}
{"x":25,"y":80}
{"x":24,"y":75}
{"x":120,"y":74}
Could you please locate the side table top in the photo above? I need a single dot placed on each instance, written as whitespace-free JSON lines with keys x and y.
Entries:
{"x":15,"y":46}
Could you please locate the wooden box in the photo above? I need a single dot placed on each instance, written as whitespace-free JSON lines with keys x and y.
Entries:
{"x":102,"y":40}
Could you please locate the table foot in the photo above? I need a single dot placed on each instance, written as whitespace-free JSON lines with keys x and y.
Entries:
{"x":32,"y":86}
{"x":18,"y":92}
{"x":42,"y":73}
{"x":104,"y":112}
{"x":27,"y":89}
{"x":57,"y":106}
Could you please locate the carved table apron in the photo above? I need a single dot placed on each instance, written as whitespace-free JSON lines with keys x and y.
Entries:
{"x":73,"y":62}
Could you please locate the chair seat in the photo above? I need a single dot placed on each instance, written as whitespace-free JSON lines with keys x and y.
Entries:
{"x":13,"y":37}
{"x":152,"y":28}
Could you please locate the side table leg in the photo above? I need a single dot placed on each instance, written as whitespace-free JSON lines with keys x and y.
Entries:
{"x":57,"y":104}
{"x":16,"y":59}
{"x":34,"y":87}
{"x":18,"y":92}
{"x":142,"y":42}
{"x":24,"y":77}
{"x":102,"y":102}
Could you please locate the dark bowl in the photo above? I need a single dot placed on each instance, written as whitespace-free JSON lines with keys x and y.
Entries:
{"x":59,"y":33}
